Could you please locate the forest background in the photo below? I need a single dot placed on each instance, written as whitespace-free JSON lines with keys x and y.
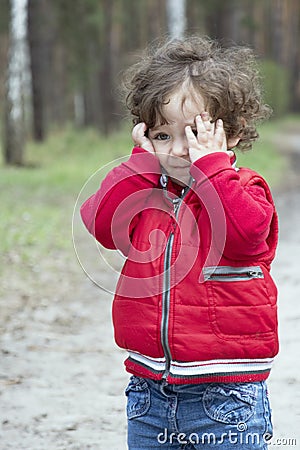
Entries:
{"x":76,"y":51}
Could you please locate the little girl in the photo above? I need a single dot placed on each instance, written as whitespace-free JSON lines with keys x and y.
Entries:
{"x":195,"y":305}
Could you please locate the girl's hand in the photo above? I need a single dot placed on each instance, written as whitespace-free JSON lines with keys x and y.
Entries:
{"x":210,"y":138}
{"x":139,"y":138}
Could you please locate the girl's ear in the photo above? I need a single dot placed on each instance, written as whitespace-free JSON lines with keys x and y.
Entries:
{"x":233,"y":141}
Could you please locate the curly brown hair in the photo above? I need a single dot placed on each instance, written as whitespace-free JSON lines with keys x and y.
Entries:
{"x":227,"y":79}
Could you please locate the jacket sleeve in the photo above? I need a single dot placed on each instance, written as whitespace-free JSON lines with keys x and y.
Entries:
{"x":111,"y":213}
{"x":246,"y":209}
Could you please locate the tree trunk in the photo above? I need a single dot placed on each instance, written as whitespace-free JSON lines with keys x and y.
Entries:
{"x":36,"y":24}
{"x":106,"y":73}
{"x":277,"y":31}
{"x":176,"y":16}
{"x":17,"y":77}
{"x":48,"y":67}
{"x":219,"y":20}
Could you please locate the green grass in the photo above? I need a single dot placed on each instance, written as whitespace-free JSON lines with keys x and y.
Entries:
{"x":266,"y":157}
{"x":37,"y":201}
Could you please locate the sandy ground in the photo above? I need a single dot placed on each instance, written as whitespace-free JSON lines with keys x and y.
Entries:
{"x":62,"y":378}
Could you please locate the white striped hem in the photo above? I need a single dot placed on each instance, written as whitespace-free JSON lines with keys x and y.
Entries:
{"x":157,"y":364}
{"x":214,"y":366}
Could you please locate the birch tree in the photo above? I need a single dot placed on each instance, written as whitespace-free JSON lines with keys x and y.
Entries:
{"x":176,"y":17}
{"x":17,"y":80}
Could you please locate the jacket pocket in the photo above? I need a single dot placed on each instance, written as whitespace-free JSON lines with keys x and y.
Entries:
{"x":242,"y":301}
{"x":230,"y":403}
{"x":229,"y":274}
{"x":138,"y":397}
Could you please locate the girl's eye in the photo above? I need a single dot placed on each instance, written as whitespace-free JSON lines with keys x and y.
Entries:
{"x":162,"y":137}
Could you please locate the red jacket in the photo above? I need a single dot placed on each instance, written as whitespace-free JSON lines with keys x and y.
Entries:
{"x":195,"y":301}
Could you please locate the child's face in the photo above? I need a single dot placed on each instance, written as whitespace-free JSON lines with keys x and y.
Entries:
{"x":170,"y":141}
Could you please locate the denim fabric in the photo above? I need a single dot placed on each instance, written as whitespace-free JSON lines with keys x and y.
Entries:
{"x":204,"y":416}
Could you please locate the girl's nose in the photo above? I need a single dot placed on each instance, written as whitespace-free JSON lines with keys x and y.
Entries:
{"x":180,"y":147}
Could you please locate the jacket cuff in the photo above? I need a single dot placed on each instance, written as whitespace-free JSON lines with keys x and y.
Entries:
{"x":210,"y":165}
{"x":145,"y":164}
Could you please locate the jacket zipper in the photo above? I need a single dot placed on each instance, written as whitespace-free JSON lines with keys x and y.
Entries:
{"x":166,"y":288}
{"x":227,"y":273}
{"x":166,"y":305}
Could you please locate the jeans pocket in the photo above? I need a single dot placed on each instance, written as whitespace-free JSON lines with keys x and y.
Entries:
{"x":230,"y":403}
{"x":138,"y":397}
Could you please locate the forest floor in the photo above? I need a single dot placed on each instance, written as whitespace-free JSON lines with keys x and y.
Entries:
{"x":62,"y":379}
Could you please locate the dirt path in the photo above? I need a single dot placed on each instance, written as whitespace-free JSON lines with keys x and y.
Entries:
{"x":62,"y":378}
{"x":285,"y":377}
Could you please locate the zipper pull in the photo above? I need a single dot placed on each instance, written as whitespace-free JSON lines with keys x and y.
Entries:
{"x":176,"y":202}
{"x":255,"y":274}
{"x":164,"y":180}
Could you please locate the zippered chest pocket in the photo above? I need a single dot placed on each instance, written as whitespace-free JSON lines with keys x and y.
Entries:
{"x":241,"y":301}
{"x":227,"y":273}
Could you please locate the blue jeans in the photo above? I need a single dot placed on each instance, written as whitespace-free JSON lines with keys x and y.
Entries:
{"x":216,"y":416}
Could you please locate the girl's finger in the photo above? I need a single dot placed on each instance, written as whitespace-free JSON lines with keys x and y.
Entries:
{"x":206,"y":121}
{"x":138,"y":132}
{"x":190,"y":135}
{"x":202,"y":135}
{"x":139,"y":138}
{"x":219,"y":128}
{"x":220,"y":135}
